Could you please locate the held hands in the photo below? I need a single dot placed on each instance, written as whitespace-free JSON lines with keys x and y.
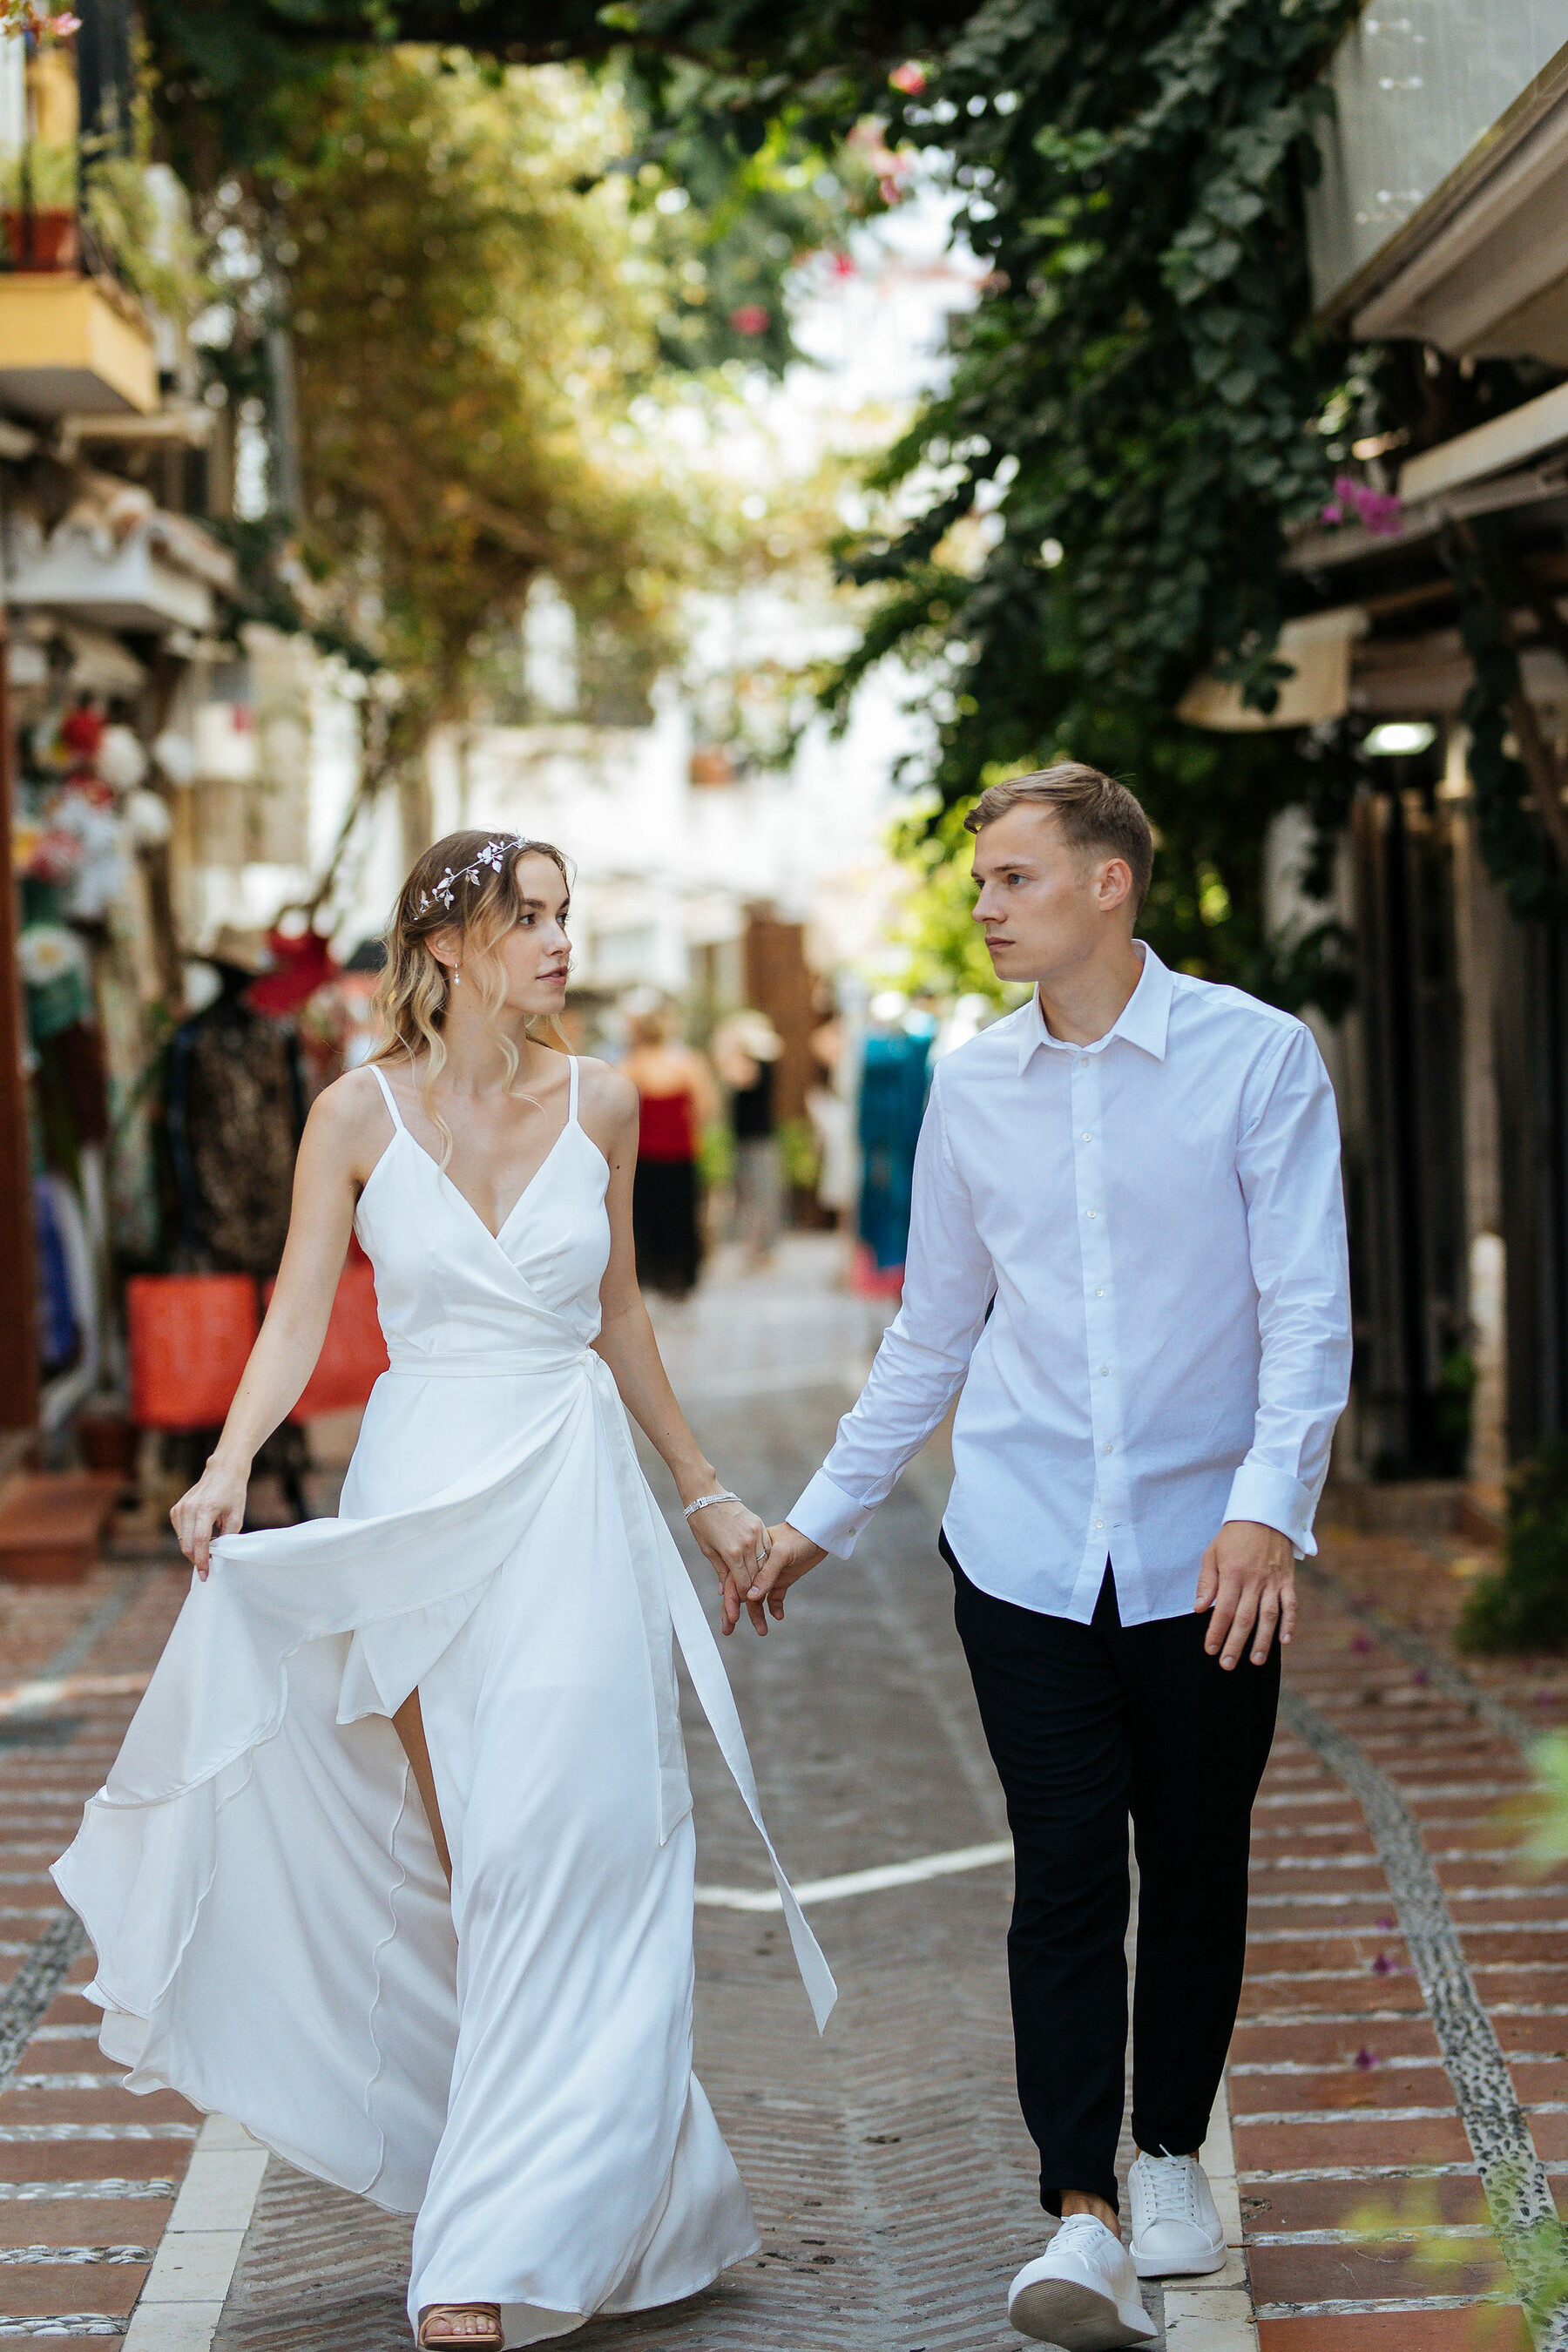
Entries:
{"x":1248,"y":1583}
{"x":215,"y":1505}
{"x":790,"y":1557}
{"x":734,"y":1542}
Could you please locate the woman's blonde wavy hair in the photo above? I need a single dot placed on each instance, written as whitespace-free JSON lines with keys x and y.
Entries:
{"x":466,"y":883}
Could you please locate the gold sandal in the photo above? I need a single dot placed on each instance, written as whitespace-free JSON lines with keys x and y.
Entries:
{"x":493,"y":2342}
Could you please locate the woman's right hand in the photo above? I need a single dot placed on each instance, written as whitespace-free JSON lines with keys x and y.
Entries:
{"x":215,"y":1505}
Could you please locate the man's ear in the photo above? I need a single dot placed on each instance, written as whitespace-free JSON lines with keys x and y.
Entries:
{"x":1115,"y":884}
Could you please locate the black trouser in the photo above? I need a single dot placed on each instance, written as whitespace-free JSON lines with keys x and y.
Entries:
{"x":1087,"y":1724}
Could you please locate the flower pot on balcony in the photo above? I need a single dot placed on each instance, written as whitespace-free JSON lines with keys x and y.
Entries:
{"x":45,"y":238}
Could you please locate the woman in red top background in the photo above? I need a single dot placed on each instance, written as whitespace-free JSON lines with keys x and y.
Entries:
{"x":678,"y":1099}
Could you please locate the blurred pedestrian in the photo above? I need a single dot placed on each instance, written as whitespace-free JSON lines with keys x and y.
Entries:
{"x":830,"y":1106}
{"x":1127,"y":1251}
{"x":677,"y":1101}
{"x":470,"y":1997}
{"x":895,"y":1064}
{"x":746,"y":1051}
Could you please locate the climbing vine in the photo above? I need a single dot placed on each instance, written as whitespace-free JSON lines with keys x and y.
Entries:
{"x":1137,"y":406}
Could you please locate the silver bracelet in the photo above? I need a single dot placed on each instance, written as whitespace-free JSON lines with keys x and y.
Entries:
{"x":721,"y":1495}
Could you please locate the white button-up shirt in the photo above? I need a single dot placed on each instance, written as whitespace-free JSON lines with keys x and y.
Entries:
{"x":1156,"y":1224}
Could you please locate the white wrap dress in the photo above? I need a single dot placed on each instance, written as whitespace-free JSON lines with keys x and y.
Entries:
{"x":274,"y":1934}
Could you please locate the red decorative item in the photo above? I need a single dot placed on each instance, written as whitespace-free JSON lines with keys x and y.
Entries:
{"x":353,"y":1353}
{"x":81,"y":732}
{"x":189,"y":1336}
{"x":302,"y":963}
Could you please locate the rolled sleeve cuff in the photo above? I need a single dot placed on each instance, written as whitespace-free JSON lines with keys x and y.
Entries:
{"x":1274,"y":1499}
{"x":830,"y":1516}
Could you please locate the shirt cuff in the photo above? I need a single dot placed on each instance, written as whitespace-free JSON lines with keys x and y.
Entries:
{"x":1274,"y":1499}
{"x":829,"y":1516}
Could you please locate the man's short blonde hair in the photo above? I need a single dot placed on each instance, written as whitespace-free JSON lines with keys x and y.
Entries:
{"x":1093,"y":810}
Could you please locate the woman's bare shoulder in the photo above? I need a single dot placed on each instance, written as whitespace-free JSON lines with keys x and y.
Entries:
{"x":605,"y":1093}
{"x":351,"y":1116}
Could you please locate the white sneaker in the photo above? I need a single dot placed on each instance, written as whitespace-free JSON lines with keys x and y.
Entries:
{"x":1176,"y":2232}
{"x":1082,"y":2293}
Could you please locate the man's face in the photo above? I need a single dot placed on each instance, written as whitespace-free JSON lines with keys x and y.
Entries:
{"x":1046,"y":906}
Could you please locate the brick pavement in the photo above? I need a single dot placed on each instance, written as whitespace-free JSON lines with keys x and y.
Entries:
{"x":87,"y":2174}
{"x":890,"y":2171}
{"x":1359,"y":2103}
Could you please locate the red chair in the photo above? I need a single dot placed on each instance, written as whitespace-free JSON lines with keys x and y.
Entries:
{"x":188,"y":1336}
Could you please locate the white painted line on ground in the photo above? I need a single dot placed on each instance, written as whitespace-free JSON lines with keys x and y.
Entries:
{"x":772,"y":1379}
{"x":179,"y":2308}
{"x":28,"y":1699}
{"x":860,"y":1882}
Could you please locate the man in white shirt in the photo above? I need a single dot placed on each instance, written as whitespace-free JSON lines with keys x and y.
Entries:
{"x":1127,"y":1249}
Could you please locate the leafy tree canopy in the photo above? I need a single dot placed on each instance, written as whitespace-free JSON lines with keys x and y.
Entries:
{"x":1140,"y":407}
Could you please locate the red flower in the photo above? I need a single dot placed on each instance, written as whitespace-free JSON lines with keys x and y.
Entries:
{"x":751,"y":319}
{"x":910,"y":78}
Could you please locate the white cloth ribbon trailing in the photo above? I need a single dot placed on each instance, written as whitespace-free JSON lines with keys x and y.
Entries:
{"x":709,"y":1680}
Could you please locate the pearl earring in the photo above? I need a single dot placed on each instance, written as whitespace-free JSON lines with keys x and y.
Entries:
{"x":457,"y":977}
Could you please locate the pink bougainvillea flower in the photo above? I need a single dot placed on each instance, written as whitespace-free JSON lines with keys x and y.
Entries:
{"x":751,"y":319}
{"x":910,"y":78}
{"x":1378,"y":512}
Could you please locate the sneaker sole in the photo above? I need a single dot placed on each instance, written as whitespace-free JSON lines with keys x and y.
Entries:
{"x":1202,"y":2269}
{"x":1060,"y":2311}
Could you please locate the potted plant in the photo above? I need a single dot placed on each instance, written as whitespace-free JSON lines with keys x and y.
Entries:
{"x":38,"y":205}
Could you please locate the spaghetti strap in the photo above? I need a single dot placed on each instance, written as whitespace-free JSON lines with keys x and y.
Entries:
{"x":571,"y":1092}
{"x":380,"y":1076}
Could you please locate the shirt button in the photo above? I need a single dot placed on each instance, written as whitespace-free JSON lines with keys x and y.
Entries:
{"x":1111,"y":1449}
{"x":1092,"y":1212}
{"x":1103,"y":1370}
{"x":1099,"y":1294}
{"x":1083,"y":1061}
{"x":1099,"y":1523}
{"x":1088,"y":1137}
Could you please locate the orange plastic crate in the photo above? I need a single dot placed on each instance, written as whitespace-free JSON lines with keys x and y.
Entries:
{"x":188,"y":1335}
{"x":353,"y":1353}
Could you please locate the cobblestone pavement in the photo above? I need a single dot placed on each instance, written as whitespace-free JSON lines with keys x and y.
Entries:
{"x":1399,"y":2082}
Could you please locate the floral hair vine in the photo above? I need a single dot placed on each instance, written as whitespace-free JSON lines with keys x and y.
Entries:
{"x":491,"y":857}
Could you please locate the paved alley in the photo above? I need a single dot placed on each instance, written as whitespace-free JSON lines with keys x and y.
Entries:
{"x":1398,"y":2090}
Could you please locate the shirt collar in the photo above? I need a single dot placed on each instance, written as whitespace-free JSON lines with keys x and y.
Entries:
{"x":1144,"y":1020}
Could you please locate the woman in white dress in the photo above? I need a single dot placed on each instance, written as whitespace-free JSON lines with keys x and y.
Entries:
{"x":396,"y":1865}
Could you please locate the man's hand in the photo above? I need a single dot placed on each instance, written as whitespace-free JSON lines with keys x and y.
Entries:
{"x":1248,"y":1583}
{"x":790,"y":1556}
